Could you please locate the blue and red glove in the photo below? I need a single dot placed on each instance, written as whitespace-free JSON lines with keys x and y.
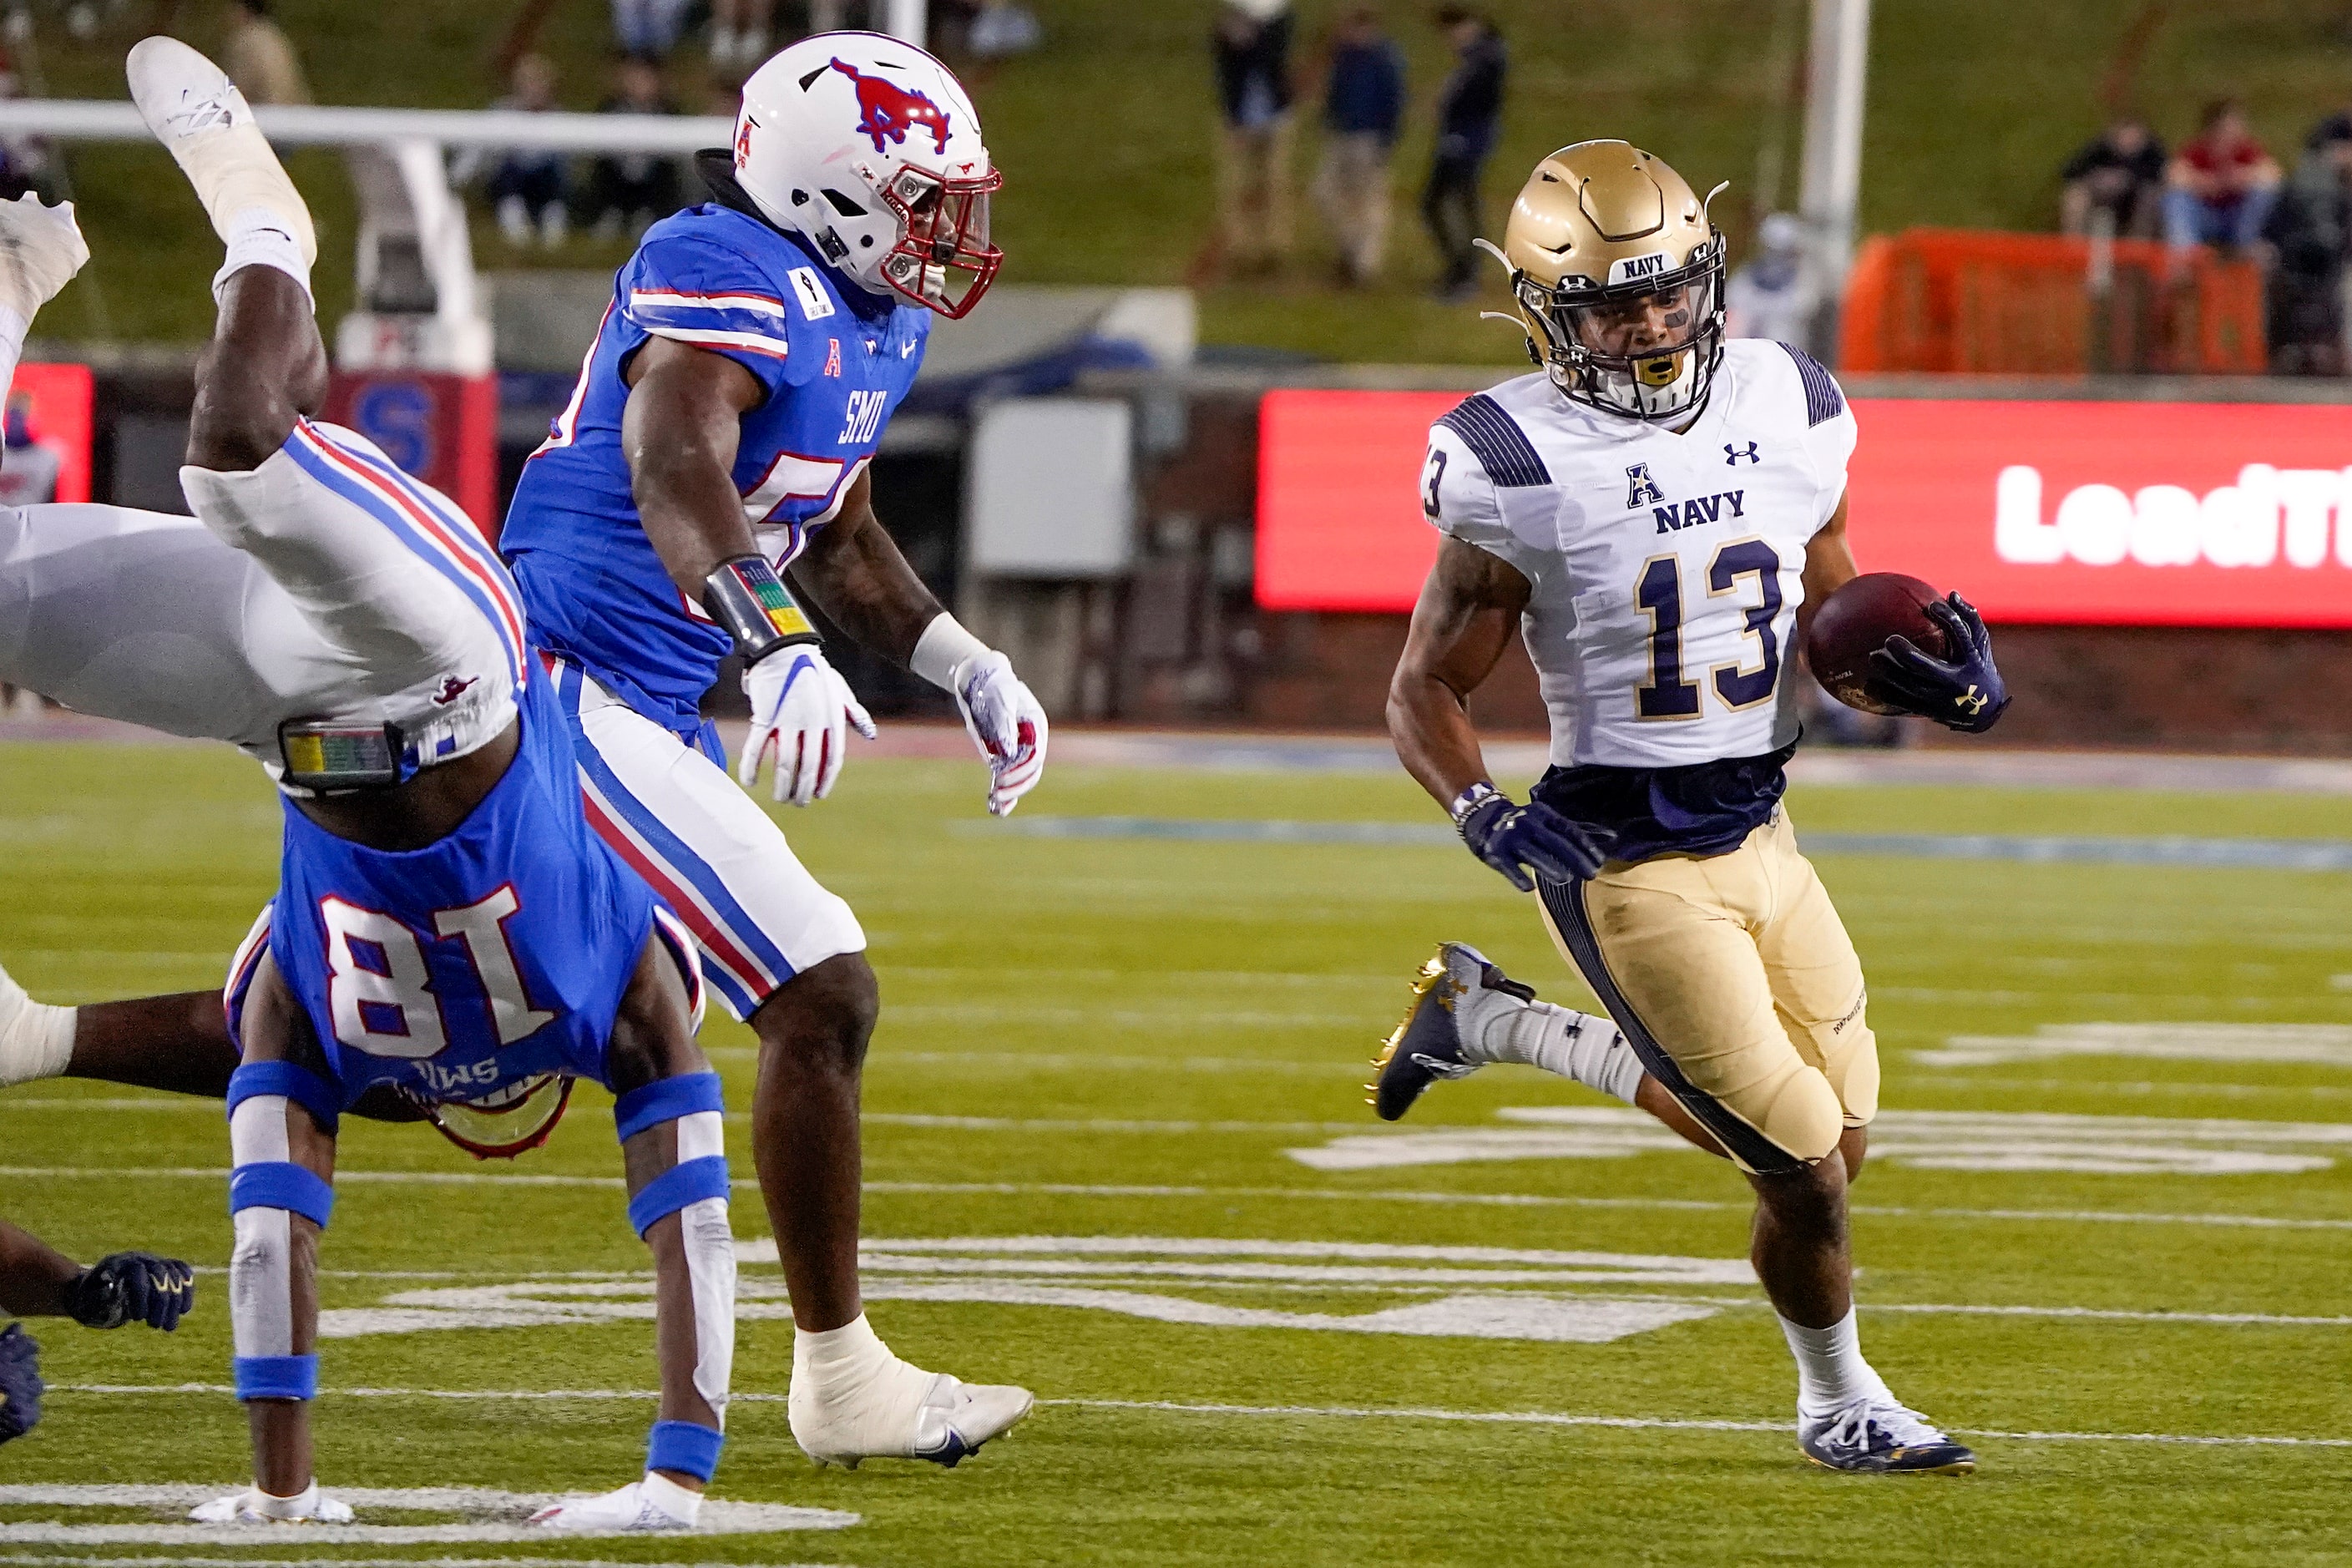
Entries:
{"x":1963,"y":692}
{"x":1507,"y":837}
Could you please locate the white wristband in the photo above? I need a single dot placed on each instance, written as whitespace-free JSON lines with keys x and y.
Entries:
{"x":944,"y":646}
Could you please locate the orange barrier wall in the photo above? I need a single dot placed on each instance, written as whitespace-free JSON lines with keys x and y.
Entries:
{"x":1988,"y":303}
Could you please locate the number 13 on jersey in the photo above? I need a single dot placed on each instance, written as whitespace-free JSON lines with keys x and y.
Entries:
{"x":1668,"y":693}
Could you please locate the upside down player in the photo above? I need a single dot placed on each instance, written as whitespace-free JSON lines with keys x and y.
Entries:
{"x":445,"y":922}
{"x":1656,"y":513}
{"x":718,"y":438}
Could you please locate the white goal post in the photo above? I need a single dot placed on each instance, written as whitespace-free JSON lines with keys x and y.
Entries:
{"x":414,"y":242}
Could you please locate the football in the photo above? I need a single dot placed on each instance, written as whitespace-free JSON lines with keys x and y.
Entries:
{"x":1855,"y":622}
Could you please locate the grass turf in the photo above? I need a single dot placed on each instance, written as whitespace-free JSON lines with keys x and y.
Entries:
{"x":1105,"y":135}
{"x":1121,"y":1038}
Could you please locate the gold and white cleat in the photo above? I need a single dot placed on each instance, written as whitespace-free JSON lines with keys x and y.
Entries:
{"x":204,"y":122}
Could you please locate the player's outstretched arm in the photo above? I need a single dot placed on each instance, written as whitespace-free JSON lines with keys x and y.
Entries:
{"x":1469,"y":610}
{"x":855,"y":573}
{"x":36,"y":1280}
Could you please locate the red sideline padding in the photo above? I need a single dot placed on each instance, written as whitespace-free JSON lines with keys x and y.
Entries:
{"x":2113,"y":513}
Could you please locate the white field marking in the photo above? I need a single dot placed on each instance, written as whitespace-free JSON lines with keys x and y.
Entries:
{"x":1647,"y":1423}
{"x":487,"y":1515}
{"x":1097,"y":1125}
{"x":1025,"y":1061}
{"x":1310,"y":1194}
{"x":1078,"y":1271}
{"x":2320,"y":1044}
{"x":2144,"y":1087}
{"x":1507,"y":1417}
{"x":1932,"y":1140}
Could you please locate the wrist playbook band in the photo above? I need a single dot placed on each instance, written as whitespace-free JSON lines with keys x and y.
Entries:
{"x":745,"y":595}
{"x":1471,"y":799}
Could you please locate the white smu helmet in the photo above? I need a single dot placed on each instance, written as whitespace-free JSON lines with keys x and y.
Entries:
{"x":870,"y":149}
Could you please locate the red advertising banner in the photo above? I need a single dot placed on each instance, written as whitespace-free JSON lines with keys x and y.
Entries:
{"x":2119,"y":513}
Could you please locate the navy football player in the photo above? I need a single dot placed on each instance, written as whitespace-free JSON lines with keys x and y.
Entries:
{"x":1654,"y":512}
{"x":716,"y":447}
{"x":38,"y":1281}
{"x":446,"y":924}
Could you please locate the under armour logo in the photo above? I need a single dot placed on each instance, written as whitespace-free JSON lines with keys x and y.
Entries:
{"x":1972,"y":704}
{"x":1642,"y":490}
{"x":1733,"y":455}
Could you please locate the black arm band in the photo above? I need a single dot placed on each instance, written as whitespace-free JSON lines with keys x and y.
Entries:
{"x":745,"y":597}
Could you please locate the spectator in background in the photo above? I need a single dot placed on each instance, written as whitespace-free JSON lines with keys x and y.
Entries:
{"x":632,"y":190}
{"x":1469,"y":116}
{"x":2221,"y":186}
{"x":1363,"y":106}
{"x":2119,"y":172}
{"x":740,"y":31}
{"x":29,"y":469}
{"x":27,"y":164}
{"x":527,"y":186}
{"x":1771,"y":296}
{"x":260,"y":58}
{"x":2310,"y":231}
{"x":647,"y":26}
{"x":1250,"y":45}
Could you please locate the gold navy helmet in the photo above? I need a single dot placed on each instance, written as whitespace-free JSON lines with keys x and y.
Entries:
{"x":1618,"y":275}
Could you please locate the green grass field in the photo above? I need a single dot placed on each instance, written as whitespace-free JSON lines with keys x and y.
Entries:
{"x":1100,"y":1062}
{"x":1105,"y":135}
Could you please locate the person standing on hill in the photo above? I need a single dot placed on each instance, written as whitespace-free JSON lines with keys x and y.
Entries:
{"x":260,"y":58}
{"x":1251,"y":48}
{"x":1469,"y":116}
{"x":1364,"y":105}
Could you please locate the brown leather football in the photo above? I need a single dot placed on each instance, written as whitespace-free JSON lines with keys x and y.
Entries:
{"x":1855,"y":622}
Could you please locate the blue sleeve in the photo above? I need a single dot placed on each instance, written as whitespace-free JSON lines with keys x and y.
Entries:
{"x":712,"y":296}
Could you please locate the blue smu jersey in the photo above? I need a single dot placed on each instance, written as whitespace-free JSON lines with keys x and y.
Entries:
{"x":495,"y":954}
{"x":834,"y":362}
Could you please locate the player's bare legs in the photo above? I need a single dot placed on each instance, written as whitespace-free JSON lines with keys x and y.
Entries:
{"x":814,"y":1034}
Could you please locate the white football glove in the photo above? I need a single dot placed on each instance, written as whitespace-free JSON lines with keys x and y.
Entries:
{"x":1005,"y":721}
{"x":801,"y":711}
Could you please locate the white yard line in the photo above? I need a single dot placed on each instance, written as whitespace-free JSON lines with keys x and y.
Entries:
{"x":1284,"y":1412}
{"x":1312,"y":1194}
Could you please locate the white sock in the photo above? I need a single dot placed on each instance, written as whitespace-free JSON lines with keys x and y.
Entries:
{"x":258,"y":237}
{"x":36,"y":1039}
{"x":1591,"y":1050}
{"x":677,"y":1501}
{"x":851,"y":1353}
{"x":1831,"y":1372}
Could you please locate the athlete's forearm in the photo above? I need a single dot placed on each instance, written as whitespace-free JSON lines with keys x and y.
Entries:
{"x":1433,"y":736}
{"x":679,"y":432}
{"x":853,"y":572}
{"x":34,"y":1275}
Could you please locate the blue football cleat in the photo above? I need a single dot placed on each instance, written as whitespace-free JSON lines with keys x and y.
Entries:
{"x":1880,"y":1437}
{"x":1427,"y":1044}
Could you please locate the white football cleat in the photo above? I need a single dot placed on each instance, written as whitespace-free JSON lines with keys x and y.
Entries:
{"x":205,"y":122}
{"x":655,"y":1503}
{"x":255,"y":1507}
{"x":41,"y":248}
{"x":36,"y":1039}
{"x":922,"y":1416}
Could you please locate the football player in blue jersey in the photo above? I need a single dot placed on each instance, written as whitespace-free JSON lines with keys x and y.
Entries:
{"x":713,"y":460}
{"x":446,"y":923}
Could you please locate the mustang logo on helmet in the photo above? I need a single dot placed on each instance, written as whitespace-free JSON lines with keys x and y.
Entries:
{"x":889,"y":110}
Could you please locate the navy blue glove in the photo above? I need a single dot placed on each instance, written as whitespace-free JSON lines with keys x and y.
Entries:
{"x":20,"y":1382}
{"x":1963,"y":692}
{"x":131,"y":1287}
{"x":1507,"y":835}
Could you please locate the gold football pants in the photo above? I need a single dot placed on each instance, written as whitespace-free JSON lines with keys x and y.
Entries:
{"x":1734,"y":980}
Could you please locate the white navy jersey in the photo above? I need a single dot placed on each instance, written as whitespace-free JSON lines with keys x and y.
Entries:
{"x":1666,"y":568}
